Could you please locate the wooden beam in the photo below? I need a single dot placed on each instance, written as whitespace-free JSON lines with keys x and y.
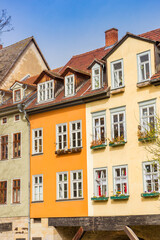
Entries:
{"x":78,"y":234}
{"x":130,"y":233}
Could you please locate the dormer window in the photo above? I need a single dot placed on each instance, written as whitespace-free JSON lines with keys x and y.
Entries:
{"x":96,"y":81}
{"x":69,"y":85}
{"x":46,"y":91}
{"x":17,"y":95}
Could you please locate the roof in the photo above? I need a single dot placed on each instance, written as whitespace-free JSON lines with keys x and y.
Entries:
{"x":152,"y":35}
{"x":10,"y":54}
{"x":156,"y":76}
{"x":23,"y":82}
{"x":74,"y":70}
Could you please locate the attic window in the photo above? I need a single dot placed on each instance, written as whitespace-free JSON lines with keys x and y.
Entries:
{"x":96,"y":81}
{"x":69,"y":85}
{"x":45,"y":91}
{"x":17,"y":95}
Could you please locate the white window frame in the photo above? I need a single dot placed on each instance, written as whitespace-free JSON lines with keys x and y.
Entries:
{"x":102,"y":182}
{"x":76,"y":181}
{"x":33,"y":141}
{"x":139,"y":65}
{"x":38,"y":185}
{"x":63,"y":182}
{"x":62,"y":136}
{"x":112,"y":74}
{"x":98,"y":115}
{"x":118,"y":111}
{"x":147,"y":104}
{"x":75,"y":131}
{"x":120,"y":179}
{"x":44,"y":91}
{"x":151,"y":163}
{"x":66,"y":83}
{"x":96,"y":67}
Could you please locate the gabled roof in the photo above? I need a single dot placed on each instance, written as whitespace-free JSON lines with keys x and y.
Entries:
{"x":10,"y":55}
{"x":74,"y":70}
{"x":23,"y":83}
{"x":48,"y":73}
{"x":99,"y":61}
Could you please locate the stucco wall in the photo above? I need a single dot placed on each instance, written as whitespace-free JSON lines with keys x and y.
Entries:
{"x":133,"y":153}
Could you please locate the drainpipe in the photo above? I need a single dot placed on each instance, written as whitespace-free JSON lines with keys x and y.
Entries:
{"x":22,"y":110}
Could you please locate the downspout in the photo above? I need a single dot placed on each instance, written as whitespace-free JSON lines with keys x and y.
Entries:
{"x":22,"y":110}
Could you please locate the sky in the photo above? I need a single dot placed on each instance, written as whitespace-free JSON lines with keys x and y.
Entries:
{"x":63,"y":28}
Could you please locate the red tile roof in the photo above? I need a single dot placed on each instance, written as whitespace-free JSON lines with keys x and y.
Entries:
{"x":152,"y":35}
{"x":156,"y":76}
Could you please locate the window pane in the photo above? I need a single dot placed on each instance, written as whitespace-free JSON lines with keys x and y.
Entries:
{"x":144,"y":58}
{"x":117,"y":66}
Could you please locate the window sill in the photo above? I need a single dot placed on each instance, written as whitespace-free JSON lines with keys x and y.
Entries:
{"x":4,"y":160}
{"x":143,"y":84}
{"x":117,"y":90}
{"x":16,"y":158}
{"x":37,"y":201}
{"x":98,"y":146}
{"x":116,"y":144}
{"x":99,"y":198}
{"x":148,"y":195}
{"x":69,"y":199}
{"x":149,"y":139}
{"x":36,"y":154}
{"x":124,"y":197}
{"x":70,"y":150}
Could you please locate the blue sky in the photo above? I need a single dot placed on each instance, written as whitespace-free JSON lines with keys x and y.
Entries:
{"x":63,"y":28}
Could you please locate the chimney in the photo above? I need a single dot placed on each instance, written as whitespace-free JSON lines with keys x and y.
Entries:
{"x":1,"y":46}
{"x":111,"y":37}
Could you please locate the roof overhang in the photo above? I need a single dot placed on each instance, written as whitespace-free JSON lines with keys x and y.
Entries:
{"x":75,"y":70}
{"x":49,"y":74}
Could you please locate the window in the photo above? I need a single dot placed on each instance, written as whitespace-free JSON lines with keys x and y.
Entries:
{"x":16,"y":191}
{"x":118,"y":125}
{"x":4,"y":147}
{"x":4,"y":120}
{"x":99,"y":128}
{"x":151,"y":176}
{"x":96,"y":77}
{"x":37,"y":188}
{"x":144,"y":66}
{"x":148,"y":115}
{"x":17,"y":95}
{"x":117,"y":74}
{"x":3,"y":192}
{"x":16,"y":117}
{"x":61,"y":142}
{"x":45,"y":91}
{"x":76,"y":134}
{"x":100,"y":182}
{"x":37,"y":140}
{"x":69,"y":85}
{"x":120,"y":180}
{"x":62,"y":185}
{"x":76,"y":184}
{"x":37,"y":220}
{"x":16,"y":144}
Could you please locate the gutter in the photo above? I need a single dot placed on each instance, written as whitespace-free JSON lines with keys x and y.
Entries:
{"x":22,"y":110}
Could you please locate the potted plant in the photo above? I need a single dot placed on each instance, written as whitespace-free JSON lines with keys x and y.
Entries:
{"x":117,"y":141}
{"x":95,"y":144}
{"x":146,"y":135}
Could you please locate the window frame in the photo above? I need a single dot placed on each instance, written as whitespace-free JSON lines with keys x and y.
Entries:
{"x":15,"y":118}
{"x":72,"y":181}
{"x":118,"y":111}
{"x":33,"y":188}
{"x":33,"y":141}
{"x":66,"y":79}
{"x":13,"y":148}
{"x":2,"y":123}
{"x":6,"y":192}
{"x":1,"y":147}
{"x":144,"y":180}
{"x":45,"y":91}
{"x":112,"y":74}
{"x":62,"y":182}
{"x":12,"y":195}
{"x":15,"y":91}
{"x":114,"y":181}
{"x":95,"y":67}
{"x":71,"y":131}
{"x":138,"y":65}
{"x":98,"y":115}
{"x":95,"y":185}
{"x":62,"y":134}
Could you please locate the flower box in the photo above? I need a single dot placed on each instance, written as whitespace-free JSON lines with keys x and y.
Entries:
{"x":99,"y":146}
{"x":147,"y":139}
{"x":61,"y":152}
{"x":120,"y":197}
{"x":116,"y":144}
{"x":75,"y":150}
{"x":151,"y":194}
{"x":99,"y":198}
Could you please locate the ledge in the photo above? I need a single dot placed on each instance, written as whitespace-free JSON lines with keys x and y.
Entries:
{"x":98,"y":146}
{"x":143,"y":84}
{"x":70,"y":150}
{"x":121,"y":197}
{"x":155,"y":82}
{"x":99,"y":198}
{"x":116,"y":144}
{"x":69,"y":199}
{"x":146,"y":139}
{"x":37,"y":201}
{"x":118,"y":90}
{"x":37,"y":154}
{"x":148,"y":195}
